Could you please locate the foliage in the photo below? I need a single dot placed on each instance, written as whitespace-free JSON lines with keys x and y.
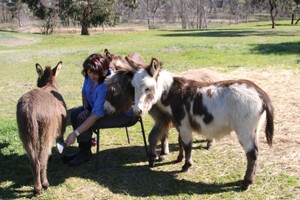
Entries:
{"x":92,"y":12}
{"x":47,"y":11}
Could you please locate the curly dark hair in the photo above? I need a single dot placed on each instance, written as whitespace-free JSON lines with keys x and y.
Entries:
{"x":98,"y":64}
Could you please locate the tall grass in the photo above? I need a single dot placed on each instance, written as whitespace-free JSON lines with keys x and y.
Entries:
{"x":124,"y":172}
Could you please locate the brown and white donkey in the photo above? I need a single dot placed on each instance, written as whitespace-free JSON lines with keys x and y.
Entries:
{"x":211,"y":109}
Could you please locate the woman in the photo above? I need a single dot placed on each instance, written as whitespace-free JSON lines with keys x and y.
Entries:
{"x":95,"y":70}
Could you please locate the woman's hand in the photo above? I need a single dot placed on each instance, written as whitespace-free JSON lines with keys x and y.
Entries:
{"x":70,"y":139}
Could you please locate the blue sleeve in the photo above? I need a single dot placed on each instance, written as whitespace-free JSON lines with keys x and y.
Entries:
{"x":98,"y":107}
{"x":83,"y":90}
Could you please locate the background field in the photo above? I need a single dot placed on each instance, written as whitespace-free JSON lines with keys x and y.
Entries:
{"x":271,"y":58}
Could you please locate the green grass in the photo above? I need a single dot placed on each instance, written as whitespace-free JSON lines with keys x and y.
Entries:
{"x":124,"y":173}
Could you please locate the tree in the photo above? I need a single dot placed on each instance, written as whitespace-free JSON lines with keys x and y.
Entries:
{"x":47,"y":11}
{"x":296,"y":9}
{"x":92,"y":12}
{"x":276,"y":7}
{"x":273,"y":11}
{"x":87,"y":12}
{"x":151,"y":7}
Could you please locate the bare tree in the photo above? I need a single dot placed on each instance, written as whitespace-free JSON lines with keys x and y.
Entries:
{"x":151,"y":8}
{"x":184,"y":14}
{"x":295,"y":11}
{"x":201,"y":14}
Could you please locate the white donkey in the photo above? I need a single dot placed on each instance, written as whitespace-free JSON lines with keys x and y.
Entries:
{"x":212,"y":109}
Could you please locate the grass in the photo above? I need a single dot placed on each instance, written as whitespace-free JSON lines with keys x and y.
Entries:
{"x":124,"y":172}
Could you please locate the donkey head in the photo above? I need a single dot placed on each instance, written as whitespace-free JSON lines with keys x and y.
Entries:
{"x":47,"y":76}
{"x":117,"y":63}
{"x":145,"y":83}
{"x":120,"y":93}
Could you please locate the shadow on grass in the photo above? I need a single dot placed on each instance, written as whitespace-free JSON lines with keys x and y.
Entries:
{"x":122,"y":170}
{"x":280,"y":48}
{"x":225,"y":33}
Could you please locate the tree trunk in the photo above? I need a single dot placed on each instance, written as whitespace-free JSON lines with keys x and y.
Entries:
{"x":183,"y":14}
{"x":84,"y":29}
{"x":273,"y":12}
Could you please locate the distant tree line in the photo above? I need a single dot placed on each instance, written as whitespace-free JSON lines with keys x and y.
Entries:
{"x":191,"y":14}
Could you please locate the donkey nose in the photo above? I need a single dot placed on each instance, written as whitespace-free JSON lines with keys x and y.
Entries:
{"x":138,"y":111}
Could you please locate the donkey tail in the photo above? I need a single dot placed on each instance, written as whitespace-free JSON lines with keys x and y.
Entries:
{"x":28,"y":130}
{"x":270,"y":122}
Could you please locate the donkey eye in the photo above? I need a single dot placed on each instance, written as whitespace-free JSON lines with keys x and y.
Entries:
{"x":147,"y":90}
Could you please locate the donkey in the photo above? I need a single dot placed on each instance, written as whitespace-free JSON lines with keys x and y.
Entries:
{"x":117,"y":63}
{"x":41,"y":117}
{"x":120,"y":97}
{"x":212,"y":109}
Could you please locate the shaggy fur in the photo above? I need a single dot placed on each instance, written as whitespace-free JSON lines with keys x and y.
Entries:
{"x":120,"y":97}
{"x":41,"y":116}
{"x":211,"y":109}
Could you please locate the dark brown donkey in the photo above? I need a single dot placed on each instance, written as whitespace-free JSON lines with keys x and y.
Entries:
{"x":41,"y":117}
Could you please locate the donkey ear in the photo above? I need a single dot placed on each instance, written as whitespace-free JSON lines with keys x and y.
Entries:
{"x":57,"y":69}
{"x":107,"y":54}
{"x":136,"y":66}
{"x":39,"y":70}
{"x":154,"y":67}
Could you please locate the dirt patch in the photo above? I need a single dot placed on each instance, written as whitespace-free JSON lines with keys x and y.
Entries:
{"x":94,"y":30}
{"x":18,"y":42}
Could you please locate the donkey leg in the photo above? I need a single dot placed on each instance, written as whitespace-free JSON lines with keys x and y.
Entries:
{"x":248,"y":139}
{"x":180,"y":156}
{"x":164,"y":127}
{"x":251,"y":167}
{"x":186,"y":141}
{"x":35,"y":167}
{"x":164,"y":147}
{"x":153,"y":138}
{"x":44,"y":155}
{"x":209,"y":143}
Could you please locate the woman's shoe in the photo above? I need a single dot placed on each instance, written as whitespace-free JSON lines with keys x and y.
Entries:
{"x":81,"y":157}
{"x":68,"y":157}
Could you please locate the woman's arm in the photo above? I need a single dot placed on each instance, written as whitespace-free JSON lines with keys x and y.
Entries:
{"x":85,"y":102}
{"x":82,"y":128}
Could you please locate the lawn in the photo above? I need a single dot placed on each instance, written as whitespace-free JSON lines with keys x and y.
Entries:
{"x":269,"y":57}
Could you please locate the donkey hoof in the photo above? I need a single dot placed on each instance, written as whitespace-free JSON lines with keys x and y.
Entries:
{"x":37,"y":192}
{"x":208,"y":148}
{"x":186,"y":167}
{"x":46,"y":186}
{"x":245,"y":184}
{"x":162,"y":158}
{"x":151,"y":164}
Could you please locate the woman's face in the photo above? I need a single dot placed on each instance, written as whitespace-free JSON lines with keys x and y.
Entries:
{"x":93,"y":76}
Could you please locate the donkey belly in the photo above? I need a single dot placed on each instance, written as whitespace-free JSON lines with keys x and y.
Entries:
{"x":214,"y":132}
